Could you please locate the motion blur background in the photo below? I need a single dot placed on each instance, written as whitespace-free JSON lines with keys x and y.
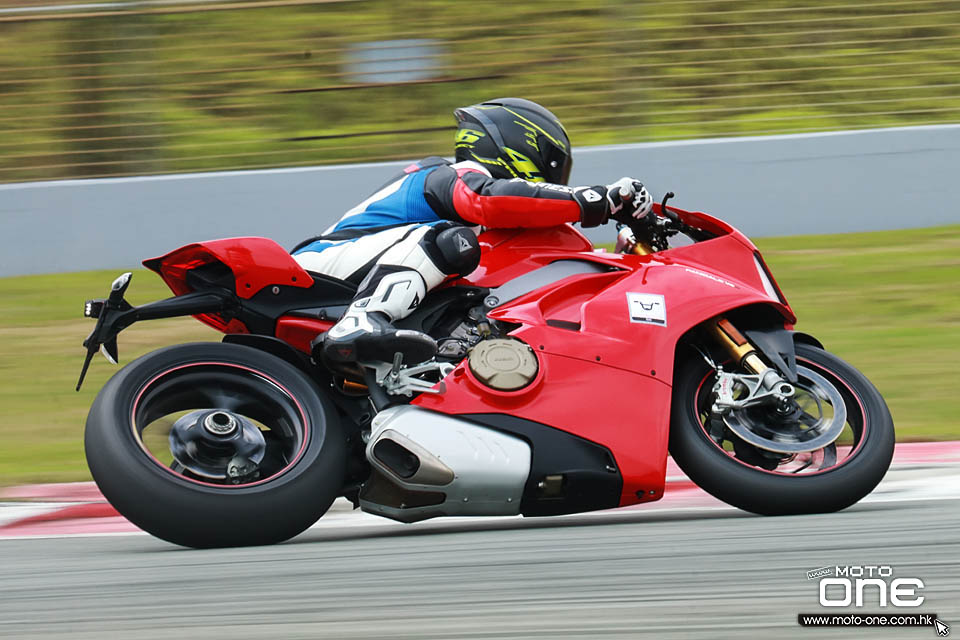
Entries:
{"x":119,"y":89}
{"x":128,"y":88}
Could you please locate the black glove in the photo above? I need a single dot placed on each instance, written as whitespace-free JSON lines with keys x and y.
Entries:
{"x":624,"y":198}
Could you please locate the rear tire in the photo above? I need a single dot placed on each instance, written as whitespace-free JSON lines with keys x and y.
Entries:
{"x":766,"y":492}
{"x":196,"y":512}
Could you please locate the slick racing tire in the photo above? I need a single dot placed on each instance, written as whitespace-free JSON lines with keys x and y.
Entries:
{"x":199,"y":400}
{"x":756,"y":480}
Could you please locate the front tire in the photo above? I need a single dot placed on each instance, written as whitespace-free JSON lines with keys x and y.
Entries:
{"x":752,"y":482}
{"x":300,"y":474}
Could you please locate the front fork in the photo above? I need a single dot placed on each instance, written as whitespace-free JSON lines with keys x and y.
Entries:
{"x":764,"y":385}
{"x":736,"y":345}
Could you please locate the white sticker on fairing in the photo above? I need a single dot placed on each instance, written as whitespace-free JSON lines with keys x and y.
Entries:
{"x":708,"y":276}
{"x":648,"y":308}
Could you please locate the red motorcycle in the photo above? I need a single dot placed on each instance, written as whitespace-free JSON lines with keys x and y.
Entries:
{"x":564,"y":376}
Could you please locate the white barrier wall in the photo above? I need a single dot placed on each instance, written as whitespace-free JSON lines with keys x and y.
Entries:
{"x":771,"y":185}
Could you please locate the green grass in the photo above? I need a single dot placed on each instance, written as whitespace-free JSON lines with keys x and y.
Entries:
{"x":885,"y":301}
{"x":41,"y":420}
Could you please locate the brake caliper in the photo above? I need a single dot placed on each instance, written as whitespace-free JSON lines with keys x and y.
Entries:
{"x":765,"y":388}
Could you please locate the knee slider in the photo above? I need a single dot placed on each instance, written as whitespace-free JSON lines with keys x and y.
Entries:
{"x":459,"y":249}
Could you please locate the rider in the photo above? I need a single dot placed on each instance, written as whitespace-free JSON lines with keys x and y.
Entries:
{"x":512,"y":165}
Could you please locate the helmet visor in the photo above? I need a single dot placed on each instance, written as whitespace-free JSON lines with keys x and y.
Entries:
{"x":566,"y":167}
{"x":559,"y":163}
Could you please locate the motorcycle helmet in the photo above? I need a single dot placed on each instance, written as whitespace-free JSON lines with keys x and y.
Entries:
{"x":514,"y":138}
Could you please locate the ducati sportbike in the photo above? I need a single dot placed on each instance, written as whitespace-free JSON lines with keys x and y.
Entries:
{"x":563,"y":378}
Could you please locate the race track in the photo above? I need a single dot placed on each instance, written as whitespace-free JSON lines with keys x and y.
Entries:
{"x":704,"y":573}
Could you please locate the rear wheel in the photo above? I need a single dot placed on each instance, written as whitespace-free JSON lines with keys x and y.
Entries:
{"x":823,"y":477}
{"x":215,"y":445}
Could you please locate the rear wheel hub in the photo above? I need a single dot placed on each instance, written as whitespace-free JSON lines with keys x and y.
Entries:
{"x":217,"y":445}
{"x":220,"y":424}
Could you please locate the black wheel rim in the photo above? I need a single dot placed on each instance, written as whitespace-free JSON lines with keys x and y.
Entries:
{"x":808,"y":463}
{"x":251,"y":395}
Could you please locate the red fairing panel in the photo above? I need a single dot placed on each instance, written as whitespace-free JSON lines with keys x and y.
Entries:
{"x":256,"y":263}
{"x":299,"y":332}
{"x":700,"y":220}
{"x":587,"y":399}
{"x":609,"y":380}
{"x":508,"y":253}
{"x":691,"y":291}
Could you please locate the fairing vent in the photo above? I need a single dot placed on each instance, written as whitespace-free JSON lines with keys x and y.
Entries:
{"x":769,"y":284}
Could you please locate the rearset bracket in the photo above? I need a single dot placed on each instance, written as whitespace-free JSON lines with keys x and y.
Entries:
{"x":398,"y":380}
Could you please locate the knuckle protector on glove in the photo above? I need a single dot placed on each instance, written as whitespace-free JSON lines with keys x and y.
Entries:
{"x":594,"y":209}
{"x":459,"y":249}
{"x":642,"y":202}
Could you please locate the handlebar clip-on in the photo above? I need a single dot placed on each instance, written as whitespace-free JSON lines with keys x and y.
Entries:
{"x":652,"y":232}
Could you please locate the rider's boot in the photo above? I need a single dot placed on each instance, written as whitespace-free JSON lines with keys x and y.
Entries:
{"x":366,"y":333}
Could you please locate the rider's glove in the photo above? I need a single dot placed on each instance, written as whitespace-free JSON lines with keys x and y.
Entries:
{"x":625,"y":197}
{"x":628,"y":197}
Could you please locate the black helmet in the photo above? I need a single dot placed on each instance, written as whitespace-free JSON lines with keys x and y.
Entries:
{"x":514,"y":138}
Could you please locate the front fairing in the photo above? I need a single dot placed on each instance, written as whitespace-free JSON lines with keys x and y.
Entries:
{"x":606,"y":368}
{"x":728,"y":257}
{"x":605,"y":309}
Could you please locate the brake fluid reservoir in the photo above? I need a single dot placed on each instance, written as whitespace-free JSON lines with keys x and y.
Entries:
{"x":503,"y":364}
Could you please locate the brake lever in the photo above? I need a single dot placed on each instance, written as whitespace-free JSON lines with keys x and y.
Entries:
{"x":679,"y":226}
{"x":670,"y":215}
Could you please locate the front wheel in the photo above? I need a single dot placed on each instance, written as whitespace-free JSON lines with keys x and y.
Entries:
{"x":828,"y":478}
{"x":215,"y":445}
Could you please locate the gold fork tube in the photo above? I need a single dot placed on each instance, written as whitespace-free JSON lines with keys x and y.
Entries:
{"x":641,"y":249}
{"x":736,"y":345}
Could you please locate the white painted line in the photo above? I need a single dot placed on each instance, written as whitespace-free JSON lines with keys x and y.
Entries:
{"x":578,"y":151}
{"x":206,"y":175}
{"x":11,"y":512}
{"x":361,"y":520}
{"x":903,"y":483}
{"x":780,"y":136}
{"x":51,"y":536}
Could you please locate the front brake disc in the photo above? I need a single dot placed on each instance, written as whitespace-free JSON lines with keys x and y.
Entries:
{"x":799,"y":431}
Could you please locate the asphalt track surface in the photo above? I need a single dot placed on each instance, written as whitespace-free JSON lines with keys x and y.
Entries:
{"x":711,"y":573}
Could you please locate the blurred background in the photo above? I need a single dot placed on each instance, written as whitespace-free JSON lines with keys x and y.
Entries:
{"x":105,"y":89}
{"x":161,"y":87}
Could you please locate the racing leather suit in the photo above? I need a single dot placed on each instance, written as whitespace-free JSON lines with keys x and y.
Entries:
{"x":414,"y":232}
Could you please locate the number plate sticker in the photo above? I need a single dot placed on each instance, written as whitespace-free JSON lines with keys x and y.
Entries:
{"x":647,"y":308}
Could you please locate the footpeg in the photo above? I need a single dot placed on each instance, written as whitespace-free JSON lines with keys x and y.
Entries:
{"x":399,"y":380}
